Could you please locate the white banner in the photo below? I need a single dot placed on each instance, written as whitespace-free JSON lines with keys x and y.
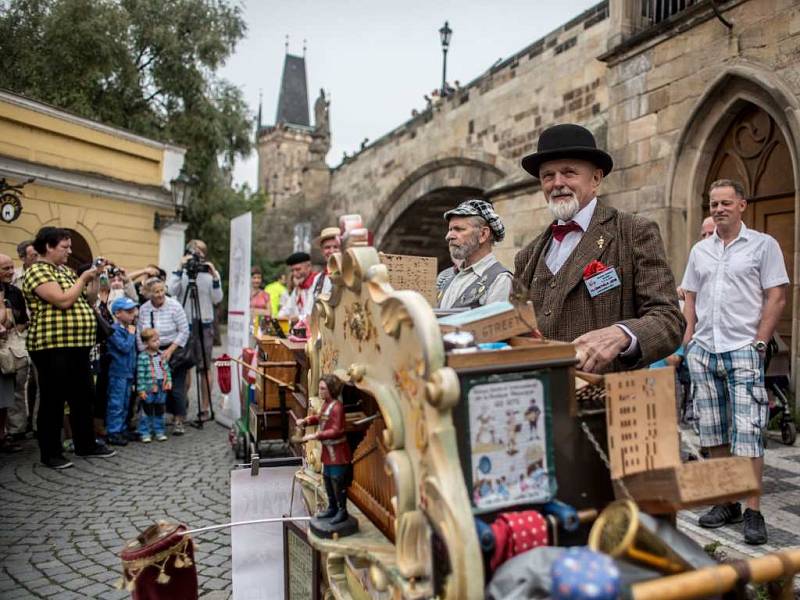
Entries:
{"x":257,"y":550}
{"x":239,"y":299}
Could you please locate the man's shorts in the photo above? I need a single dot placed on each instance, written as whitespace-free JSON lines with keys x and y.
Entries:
{"x":730,"y":399}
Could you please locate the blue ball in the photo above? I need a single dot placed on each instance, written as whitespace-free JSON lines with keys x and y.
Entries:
{"x":583,"y":574}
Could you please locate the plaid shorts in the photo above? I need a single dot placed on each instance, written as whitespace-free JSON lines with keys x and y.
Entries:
{"x":730,"y":399}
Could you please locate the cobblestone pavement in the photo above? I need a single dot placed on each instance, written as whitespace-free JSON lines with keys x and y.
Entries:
{"x":60,"y":531}
{"x":780,"y":505}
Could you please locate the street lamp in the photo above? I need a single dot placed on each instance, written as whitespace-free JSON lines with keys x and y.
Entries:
{"x":444,"y":34}
{"x":181,"y":188}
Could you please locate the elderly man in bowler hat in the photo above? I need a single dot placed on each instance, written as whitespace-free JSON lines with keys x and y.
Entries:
{"x":473,"y":228}
{"x":301,"y":300}
{"x":598,"y":277}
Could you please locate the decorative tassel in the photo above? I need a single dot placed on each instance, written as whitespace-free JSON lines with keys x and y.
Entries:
{"x":179,"y":564}
{"x":162,"y":577}
{"x":130,"y":585}
{"x":120,"y":583}
{"x":187,"y":562}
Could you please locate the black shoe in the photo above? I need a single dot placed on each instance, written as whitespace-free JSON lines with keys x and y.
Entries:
{"x":57,"y":462}
{"x":99,"y":451}
{"x":341,"y":517}
{"x":755,"y":531}
{"x":721,"y":514}
{"x":132,"y":436}
{"x":117,"y":439}
{"x":18,"y":437}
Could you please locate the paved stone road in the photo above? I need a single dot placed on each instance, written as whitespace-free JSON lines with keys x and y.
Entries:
{"x":780,"y":505}
{"x":60,"y":531}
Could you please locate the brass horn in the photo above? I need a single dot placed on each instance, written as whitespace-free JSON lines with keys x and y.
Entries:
{"x":623,"y":531}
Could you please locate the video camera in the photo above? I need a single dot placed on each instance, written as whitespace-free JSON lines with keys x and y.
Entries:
{"x":196,"y":264}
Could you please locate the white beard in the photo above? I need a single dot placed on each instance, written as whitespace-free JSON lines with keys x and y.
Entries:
{"x":467,"y":249}
{"x":564,"y":210}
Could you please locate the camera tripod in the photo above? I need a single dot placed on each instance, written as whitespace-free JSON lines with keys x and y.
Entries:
{"x":202,"y":363}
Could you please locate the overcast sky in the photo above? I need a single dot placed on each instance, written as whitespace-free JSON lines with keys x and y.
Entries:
{"x":378,"y":58}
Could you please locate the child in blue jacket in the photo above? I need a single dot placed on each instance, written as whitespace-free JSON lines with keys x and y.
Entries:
{"x":122,"y":348}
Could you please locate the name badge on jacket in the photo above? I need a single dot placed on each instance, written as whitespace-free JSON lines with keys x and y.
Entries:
{"x":602,"y":282}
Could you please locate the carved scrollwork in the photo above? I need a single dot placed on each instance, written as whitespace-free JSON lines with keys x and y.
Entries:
{"x":387,"y":343}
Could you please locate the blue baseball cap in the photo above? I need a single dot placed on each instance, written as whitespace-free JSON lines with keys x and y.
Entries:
{"x":123,"y":303}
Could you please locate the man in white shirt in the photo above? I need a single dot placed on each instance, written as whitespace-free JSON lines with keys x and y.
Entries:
{"x":735,"y":284}
{"x":473,"y":228}
{"x":301,"y":300}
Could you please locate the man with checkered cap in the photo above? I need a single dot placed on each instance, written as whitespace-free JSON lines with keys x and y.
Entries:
{"x":473,"y":228}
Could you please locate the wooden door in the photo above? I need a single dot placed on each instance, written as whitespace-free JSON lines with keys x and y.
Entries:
{"x":754,"y":152}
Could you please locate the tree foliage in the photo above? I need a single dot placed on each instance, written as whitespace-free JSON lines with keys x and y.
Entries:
{"x":148,"y":66}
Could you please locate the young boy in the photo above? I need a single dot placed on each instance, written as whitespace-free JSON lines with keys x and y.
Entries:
{"x":122,"y":348}
{"x":153,"y":379}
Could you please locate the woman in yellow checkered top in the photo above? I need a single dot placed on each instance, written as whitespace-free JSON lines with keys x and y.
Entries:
{"x":61,"y":334}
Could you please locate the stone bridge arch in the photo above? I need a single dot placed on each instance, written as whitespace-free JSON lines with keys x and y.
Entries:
{"x":409,"y":221}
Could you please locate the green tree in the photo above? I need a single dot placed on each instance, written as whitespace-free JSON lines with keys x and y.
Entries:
{"x":148,"y":66}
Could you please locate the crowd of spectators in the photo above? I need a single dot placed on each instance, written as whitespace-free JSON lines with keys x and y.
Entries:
{"x":95,"y":357}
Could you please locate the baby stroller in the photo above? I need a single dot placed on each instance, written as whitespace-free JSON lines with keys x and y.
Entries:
{"x":776,"y":380}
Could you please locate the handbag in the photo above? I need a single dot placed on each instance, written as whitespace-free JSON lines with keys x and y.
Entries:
{"x":13,"y":352}
{"x":183,"y":357}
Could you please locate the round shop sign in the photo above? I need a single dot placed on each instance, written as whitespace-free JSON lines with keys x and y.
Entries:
{"x":10,"y":208}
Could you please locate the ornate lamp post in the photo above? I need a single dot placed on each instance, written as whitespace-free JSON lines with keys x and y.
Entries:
{"x":444,"y":34}
{"x":181,"y":187}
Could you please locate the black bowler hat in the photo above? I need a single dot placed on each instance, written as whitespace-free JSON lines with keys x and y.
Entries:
{"x":567,"y":141}
{"x":297,"y":258}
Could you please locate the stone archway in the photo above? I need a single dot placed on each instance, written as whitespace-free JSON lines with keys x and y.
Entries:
{"x":410,"y":220}
{"x":741,"y":91}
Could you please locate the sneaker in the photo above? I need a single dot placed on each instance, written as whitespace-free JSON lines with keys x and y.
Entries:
{"x":755,"y":531}
{"x":146,"y":439}
{"x":117,"y":439}
{"x":721,"y":514}
{"x":161,"y":437}
{"x":57,"y":462}
{"x":178,"y":430}
{"x":100,"y":451}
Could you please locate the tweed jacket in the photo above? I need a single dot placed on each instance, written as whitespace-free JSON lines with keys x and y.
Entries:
{"x":646,"y":302}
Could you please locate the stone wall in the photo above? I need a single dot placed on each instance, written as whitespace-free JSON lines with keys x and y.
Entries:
{"x":671,"y":91}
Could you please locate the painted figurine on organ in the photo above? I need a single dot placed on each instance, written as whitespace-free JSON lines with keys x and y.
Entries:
{"x":337,"y":470}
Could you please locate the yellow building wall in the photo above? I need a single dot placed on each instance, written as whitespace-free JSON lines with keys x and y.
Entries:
{"x":118,"y":230}
{"x":47,"y":140}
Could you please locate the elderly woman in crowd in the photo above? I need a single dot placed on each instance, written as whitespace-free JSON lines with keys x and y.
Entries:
{"x":166,"y":315}
{"x":60,"y":337}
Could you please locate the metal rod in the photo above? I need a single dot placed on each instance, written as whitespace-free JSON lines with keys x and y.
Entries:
{"x":237,"y":523}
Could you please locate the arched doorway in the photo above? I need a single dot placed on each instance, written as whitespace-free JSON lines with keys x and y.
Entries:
{"x":420,"y":230}
{"x":754,"y":152}
{"x":410,"y":220}
{"x":81,"y":252}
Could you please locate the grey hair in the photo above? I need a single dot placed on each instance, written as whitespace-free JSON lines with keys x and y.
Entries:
{"x":738,"y":188}
{"x":477,"y":221}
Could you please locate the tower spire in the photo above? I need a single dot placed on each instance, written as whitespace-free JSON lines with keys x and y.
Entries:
{"x":286,"y":44}
{"x":293,"y":97}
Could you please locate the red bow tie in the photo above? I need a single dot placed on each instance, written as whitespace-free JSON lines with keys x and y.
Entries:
{"x":559,"y":231}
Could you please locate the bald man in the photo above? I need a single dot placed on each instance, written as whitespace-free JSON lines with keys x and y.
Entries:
{"x":707,"y":228}
{"x":13,"y":414}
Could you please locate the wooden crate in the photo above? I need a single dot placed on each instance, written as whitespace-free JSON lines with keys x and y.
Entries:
{"x":280,"y":365}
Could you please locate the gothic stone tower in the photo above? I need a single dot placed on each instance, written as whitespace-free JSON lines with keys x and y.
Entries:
{"x":291,"y":166}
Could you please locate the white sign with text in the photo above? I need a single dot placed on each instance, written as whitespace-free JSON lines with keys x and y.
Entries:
{"x":239,"y":299}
